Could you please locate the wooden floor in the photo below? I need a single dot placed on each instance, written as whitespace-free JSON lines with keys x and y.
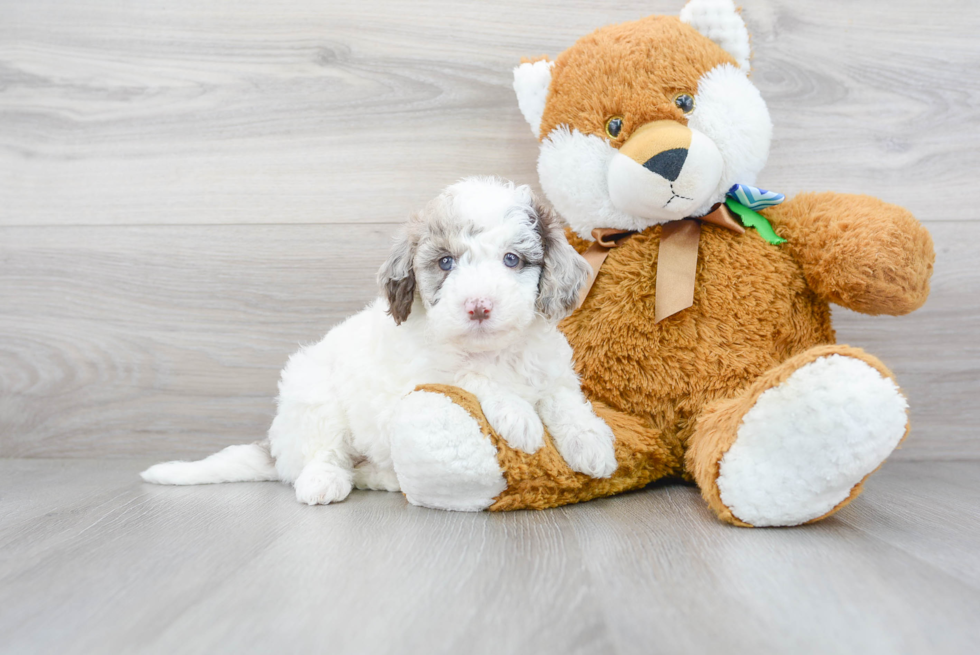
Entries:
{"x":94,"y":561}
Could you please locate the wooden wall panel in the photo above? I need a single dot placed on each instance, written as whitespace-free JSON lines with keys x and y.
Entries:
{"x":125,"y":340}
{"x":188,"y":190}
{"x":168,"y":340}
{"x":211,"y":111}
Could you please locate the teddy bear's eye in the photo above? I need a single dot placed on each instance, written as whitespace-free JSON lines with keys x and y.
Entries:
{"x":684,"y":102}
{"x":614,"y":125}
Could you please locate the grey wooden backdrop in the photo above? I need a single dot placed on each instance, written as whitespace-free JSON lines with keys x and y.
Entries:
{"x":190,"y":189}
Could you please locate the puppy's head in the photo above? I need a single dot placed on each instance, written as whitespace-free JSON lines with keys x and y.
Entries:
{"x":483,"y":261}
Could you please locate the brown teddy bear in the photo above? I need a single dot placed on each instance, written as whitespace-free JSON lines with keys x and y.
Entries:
{"x":706,"y":346}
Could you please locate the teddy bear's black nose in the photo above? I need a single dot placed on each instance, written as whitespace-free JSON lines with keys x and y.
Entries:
{"x":667,"y":164}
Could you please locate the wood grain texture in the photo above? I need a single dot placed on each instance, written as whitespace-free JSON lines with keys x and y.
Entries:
{"x":190,"y":190}
{"x":95,"y":562}
{"x":196,"y":112}
{"x":123,"y":339}
{"x":168,"y":340}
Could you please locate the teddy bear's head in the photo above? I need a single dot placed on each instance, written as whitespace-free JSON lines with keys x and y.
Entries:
{"x":647,"y":122}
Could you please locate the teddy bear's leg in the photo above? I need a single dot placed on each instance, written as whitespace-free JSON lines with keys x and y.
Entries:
{"x":442,"y":454}
{"x":799,"y":443}
{"x":447,"y":456}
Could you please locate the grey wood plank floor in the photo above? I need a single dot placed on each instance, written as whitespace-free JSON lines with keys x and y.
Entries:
{"x":94,"y":561}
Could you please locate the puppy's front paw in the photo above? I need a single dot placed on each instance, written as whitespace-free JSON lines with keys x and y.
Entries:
{"x":322,"y":484}
{"x":587,"y":446}
{"x":514,"y":419}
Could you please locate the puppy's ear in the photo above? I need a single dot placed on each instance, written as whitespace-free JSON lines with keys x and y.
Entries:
{"x":397,"y":276}
{"x":564,"y":271}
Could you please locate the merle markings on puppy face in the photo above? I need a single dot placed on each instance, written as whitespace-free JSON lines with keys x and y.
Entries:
{"x":483,"y":243}
{"x":397,"y":275}
{"x":564,"y":271}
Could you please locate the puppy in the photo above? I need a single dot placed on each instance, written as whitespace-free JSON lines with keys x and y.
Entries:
{"x":473,"y":290}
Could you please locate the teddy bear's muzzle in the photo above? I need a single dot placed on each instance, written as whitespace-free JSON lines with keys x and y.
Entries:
{"x":664,"y":171}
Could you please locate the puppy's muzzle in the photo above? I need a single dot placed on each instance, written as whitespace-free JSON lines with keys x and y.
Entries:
{"x":664,"y":171}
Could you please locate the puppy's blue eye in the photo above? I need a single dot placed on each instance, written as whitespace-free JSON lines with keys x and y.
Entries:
{"x":511,"y":260}
{"x":446,"y":263}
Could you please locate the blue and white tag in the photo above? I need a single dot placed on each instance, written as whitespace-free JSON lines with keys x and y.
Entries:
{"x":754,"y":197}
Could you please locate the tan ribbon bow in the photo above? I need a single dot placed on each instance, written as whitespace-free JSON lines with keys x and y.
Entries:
{"x":676,"y":264}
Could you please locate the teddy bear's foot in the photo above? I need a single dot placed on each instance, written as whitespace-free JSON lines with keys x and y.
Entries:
{"x":441,"y":455}
{"x":798,"y":445}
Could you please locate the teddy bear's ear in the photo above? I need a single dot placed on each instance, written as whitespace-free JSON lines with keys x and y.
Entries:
{"x":531,"y":82}
{"x":719,"y":21}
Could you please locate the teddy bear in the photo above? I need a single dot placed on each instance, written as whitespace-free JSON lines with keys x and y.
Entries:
{"x":704,"y":339}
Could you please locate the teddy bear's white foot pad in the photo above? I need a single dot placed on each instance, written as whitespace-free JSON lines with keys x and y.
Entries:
{"x":806,"y":442}
{"x":441,"y":457}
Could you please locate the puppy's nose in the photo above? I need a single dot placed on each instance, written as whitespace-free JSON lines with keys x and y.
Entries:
{"x":479,"y":309}
{"x":667,"y":164}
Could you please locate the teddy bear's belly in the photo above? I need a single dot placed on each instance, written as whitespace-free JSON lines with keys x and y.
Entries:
{"x":752,"y":310}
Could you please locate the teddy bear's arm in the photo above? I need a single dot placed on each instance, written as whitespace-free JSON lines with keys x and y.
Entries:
{"x":857,"y":251}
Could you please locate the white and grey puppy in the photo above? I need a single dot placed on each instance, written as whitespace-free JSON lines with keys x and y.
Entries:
{"x":473,"y":289}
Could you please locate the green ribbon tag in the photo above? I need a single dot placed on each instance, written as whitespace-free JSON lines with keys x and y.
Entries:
{"x":753,"y":219}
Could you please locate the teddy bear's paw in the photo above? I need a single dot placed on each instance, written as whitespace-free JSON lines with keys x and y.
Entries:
{"x":515,"y":420}
{"x":805,"y":444}
{"x":587,"y":446}
{"x":441,"y":455}
{"x":321,"y":484}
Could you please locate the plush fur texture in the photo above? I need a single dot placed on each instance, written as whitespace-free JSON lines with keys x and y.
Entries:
{"x":536,"y":481}
{"x":732,"y":113}
{"x":719,"y":21}
{"x":437,"y":436}
{"x":681,"y":394}
{"x":474,"y":287}
{"x":721,"y":423}
{"x":531,"y":80}
{"x":580,"y":171}
{"x":633,"y":70}
{"x":806,"y":442}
